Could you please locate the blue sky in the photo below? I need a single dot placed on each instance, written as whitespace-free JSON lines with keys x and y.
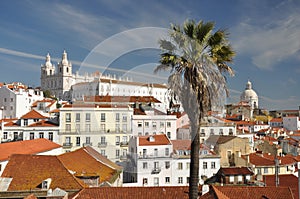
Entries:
{"x":122,"y":36}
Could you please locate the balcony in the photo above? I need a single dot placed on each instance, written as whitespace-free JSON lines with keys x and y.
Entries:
{"x":87,"y":144}
{"x":155,"y":171}
{"x":67,"y":145}
{"x":102,"y":144}
{"x":123,"y":157}
{"x":124,"y":143}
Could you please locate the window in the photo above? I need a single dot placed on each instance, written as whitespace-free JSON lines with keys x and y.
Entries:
{"x":102,"y":117}
{"x":117,"y":140}
{"x":88,"y":127}
{"x":155,"y":152}
{"x":167,"y":152}
{"x":169,"y":124}
{"x":118,"y":127}
{"x":180,"y":180}
{"x":230,"y":132}
{"x":179,"y":166}
{"x":156,"y":181}
{"x":102,"y":152}
{"x":187,"y":180}
{"x":41,"y":135}
{"x":77,"y":117}
{"x":144,"y":153}
{"x":124,"y":118}
{"x":124,"y":139}
{"x":145,"y":165}
{"x":187,"y":165}
{"x":68,"y":140}
{"x":212,"y":132}
{"x":68,"y":127}
{"x":259,"y":171}
{"x":147,"y":124}
{"x":50,"y":136}
{"x":221,"y":132}
{"x":213,"y":165}
{"x":266,"y":170}
{"x":4,"y":99}
{"x":167,"y":180}
{"x":167,"y":164}
{"x":87,"y":117}
{"x":11,"y":99}
{"x":240,"y":178}
{"x":31,"y":135}
{"x":78,"y":127}
{"x":77,"y":141}
{"x":88,"y":140}
{"x":231,"y":179}
{"x":124,"y":127}
{"x":117,"y":153}
{"x":102,"y":140}
{"x":102,"y":127}
{"x":145,"y":181}
{"x":117,"y":117}
{"x":140,"y":124}
{"x":204,"y":165}
{"x":161,"y":124}
{"x":156,"y":165}
{"x":25,"y":122}
{"x":68,"y":117}
{"x":154,"y":125}
{"x":169,"y":135}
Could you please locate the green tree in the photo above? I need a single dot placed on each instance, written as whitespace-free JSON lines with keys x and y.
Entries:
{"x":197,"y":59}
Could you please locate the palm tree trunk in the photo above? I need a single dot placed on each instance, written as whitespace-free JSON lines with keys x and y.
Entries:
{"x":194,"y":165}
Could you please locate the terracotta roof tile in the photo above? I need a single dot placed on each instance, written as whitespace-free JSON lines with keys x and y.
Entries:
{"x":181,"y":144}
{"x":252,"y":192}
{"x":236,"y":171}
{"x":84,"y":164}
{"x":33,"y":114}
{"x":26,"y":147}
{"x":43,"y":123}
{"x":134,"y":193}
{"x":29,"y":171}
{"x":285,"y":180}
{"x":158,"y":140}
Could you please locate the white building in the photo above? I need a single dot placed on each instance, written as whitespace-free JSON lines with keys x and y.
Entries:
{"x":16,"y":99}
{"x":65,"y":85}
{"x":158,"y":161}
{"x":150,"y":121}
{"x":31,"y":125}
{"x":105,"y":127}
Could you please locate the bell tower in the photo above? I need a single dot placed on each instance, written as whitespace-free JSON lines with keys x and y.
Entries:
{"x":47,"y":73}
{"x":65,"y":75}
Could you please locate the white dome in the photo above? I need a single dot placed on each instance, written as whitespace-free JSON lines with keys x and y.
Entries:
{"x":249,"y":95}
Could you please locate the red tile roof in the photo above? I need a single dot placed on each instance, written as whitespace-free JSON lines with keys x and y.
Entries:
{"x":33,"y":114}
{"x":85,"y":164}
{"x":29,"y":171}
{"x":236,"y":171}
{"x":43,"y":123}
{"x":285,"y":180}
{"x":26,"y":147}
{"x":268,"y":160}
{"x":251,"y":192}
{"x":276,"y":120}
{"x":158,"y":140}
{"x":181,"y":144}
{"x":167,"y":192}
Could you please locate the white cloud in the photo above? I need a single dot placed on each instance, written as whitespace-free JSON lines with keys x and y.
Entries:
{"x":269,"y":43}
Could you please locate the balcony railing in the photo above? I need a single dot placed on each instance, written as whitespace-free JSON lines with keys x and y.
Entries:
{"x":67,"y":145}
{"x":155,"y":170}
{"x":87,"y":144}
{"x":102,"y":144}
{"x":124,"y":143}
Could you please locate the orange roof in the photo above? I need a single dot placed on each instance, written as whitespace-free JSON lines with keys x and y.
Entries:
{"x":158,"y":140}
{"x":163,"y":192}
{"x":251,"y":192}
{"x":276,"y":120}
{"x":26,"y":147}
{"x":43,"y":123}
{"x":29,"y":171}
{"x":11,"y":123}
{"x":33,"y":114}
{"x":268,"y":160}
{"x":236,"y":171}
{"x":83,"y":164}
{"x":181,"y":144}
{"x":285,"y":180}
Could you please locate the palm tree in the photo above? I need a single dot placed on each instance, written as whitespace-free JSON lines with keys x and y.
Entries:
{"x":197,"y":59}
